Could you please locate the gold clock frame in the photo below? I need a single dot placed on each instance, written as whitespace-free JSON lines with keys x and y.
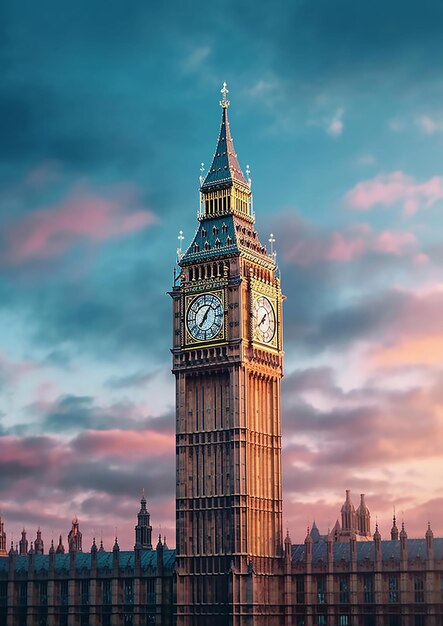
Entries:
{"x":260,"y":289}
{"x":189,"y":340}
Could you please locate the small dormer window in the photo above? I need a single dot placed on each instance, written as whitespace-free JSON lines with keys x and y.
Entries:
{"x":203,"y":232}
{"x":196,"y":247}
{"x":217,"y":243}
{"x":206,"y":246}
{"x":214,"y":230}
{"x":224,"y":228}
{"x":228,"y":240}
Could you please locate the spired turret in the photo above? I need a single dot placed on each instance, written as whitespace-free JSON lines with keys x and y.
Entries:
{"x":38,"y":543}
{"x":348,"y":518}
{"x":23,"y":544}
{"x":354,"y":523}
{"x":143,"y":530}
{"x":394,"y":529}
{"x":363,"y":519}
{"x":3,"y":551}
{"x":60,"y":548}
{"x":75,"y":537}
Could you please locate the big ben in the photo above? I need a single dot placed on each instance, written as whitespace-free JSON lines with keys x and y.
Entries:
{"x":228,"y":363}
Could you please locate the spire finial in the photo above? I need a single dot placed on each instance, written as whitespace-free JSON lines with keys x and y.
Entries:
{"x":248,"y":174}
{"x":179,"y":247}
{"x":224,"y":102}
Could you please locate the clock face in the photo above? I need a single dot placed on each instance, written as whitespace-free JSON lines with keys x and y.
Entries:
{"x":205,"y":317}
{"x":264,"y":319}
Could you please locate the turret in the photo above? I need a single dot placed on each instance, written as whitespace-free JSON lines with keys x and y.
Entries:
{"x":159,"y":549}
{"x":288,"y":547}
{"x":115,"y":555}
{"x":308,"y":547}
{"x":336,"y":529}
{"x":348,"y":518}
{"x":403,"y":543}
{"x":3,"y":551}
{"x":23,"y":544}
{"x":94,"y":547}
{"x":429,"y":542}
{"x":315,"y":533}
{"x":12,"y":554}
{"x":143,"y":530}
{"x":377,"y":544}
{"x":60,"y":548}
{"x":38,"y":543}
{"x":363,"y":518}
{"x":75,"y":537}
{"x":394,"y":529}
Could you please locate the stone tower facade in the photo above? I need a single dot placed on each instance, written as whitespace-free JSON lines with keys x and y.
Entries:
{"x":228,"y":364}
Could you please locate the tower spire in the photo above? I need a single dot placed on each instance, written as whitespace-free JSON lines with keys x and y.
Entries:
{"x":225,"y":171}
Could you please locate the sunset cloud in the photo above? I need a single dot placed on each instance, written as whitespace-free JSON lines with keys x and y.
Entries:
{"x":305,"y":245}
{"x":395,"y":188}
{"x":82,"y":216}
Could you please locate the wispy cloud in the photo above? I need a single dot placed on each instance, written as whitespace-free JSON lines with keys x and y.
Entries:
{"x":395,"y":188}
{"x":196,"y":58}
{"x":83,"y":215}
{"x":305,"y":246}
{"x":335,"y":126}
{"x":430,"y":125}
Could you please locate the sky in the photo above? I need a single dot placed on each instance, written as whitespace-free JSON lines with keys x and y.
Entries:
{"x":107,"y":110}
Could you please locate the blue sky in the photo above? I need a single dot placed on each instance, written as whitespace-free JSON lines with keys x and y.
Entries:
{"x":106,"y":112}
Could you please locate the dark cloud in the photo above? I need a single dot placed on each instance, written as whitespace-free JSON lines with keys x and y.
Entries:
{"x":73,"y":414}
{"x":155,"y":476}
{"x":132,"y":380}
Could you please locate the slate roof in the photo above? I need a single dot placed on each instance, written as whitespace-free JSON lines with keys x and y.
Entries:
{"x":225,"y":167}
{"x":366,"y":550}
{"x":83,"y":561}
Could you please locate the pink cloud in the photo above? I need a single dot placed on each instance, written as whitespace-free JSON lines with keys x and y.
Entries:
{"x":392,"y":242}
{"x":32,"y":452}
{"x":395,"y":188}
{"x":82,"y":216}
{"x":307,"y":246}
{"x":12,"y":371}
{"x":344,"y":247}
{"x":122,"y":443}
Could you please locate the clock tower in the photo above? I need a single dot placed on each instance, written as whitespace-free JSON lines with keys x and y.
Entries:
{"x":228,"y":364}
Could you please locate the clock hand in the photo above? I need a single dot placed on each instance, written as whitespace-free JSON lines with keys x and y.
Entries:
{"x":262,"y":319}
{"x":205,"y":316}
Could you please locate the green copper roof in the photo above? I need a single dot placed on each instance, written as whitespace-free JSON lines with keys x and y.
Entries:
{"x":225,"y":168}
{"x":221,"y":236}
{"x":83,"y":561}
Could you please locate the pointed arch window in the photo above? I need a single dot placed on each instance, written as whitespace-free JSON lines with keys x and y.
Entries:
{"x":206,"y":246}
{"x":196,"y":248}
{"x":228,"y":240}
{"x":214,"y":230}
{"x":217,"y":243}
{"x":224,"y":228}
{"x":203,"y":232}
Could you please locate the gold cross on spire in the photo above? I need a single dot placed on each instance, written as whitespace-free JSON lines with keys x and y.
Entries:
{"x":224,"y":103}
